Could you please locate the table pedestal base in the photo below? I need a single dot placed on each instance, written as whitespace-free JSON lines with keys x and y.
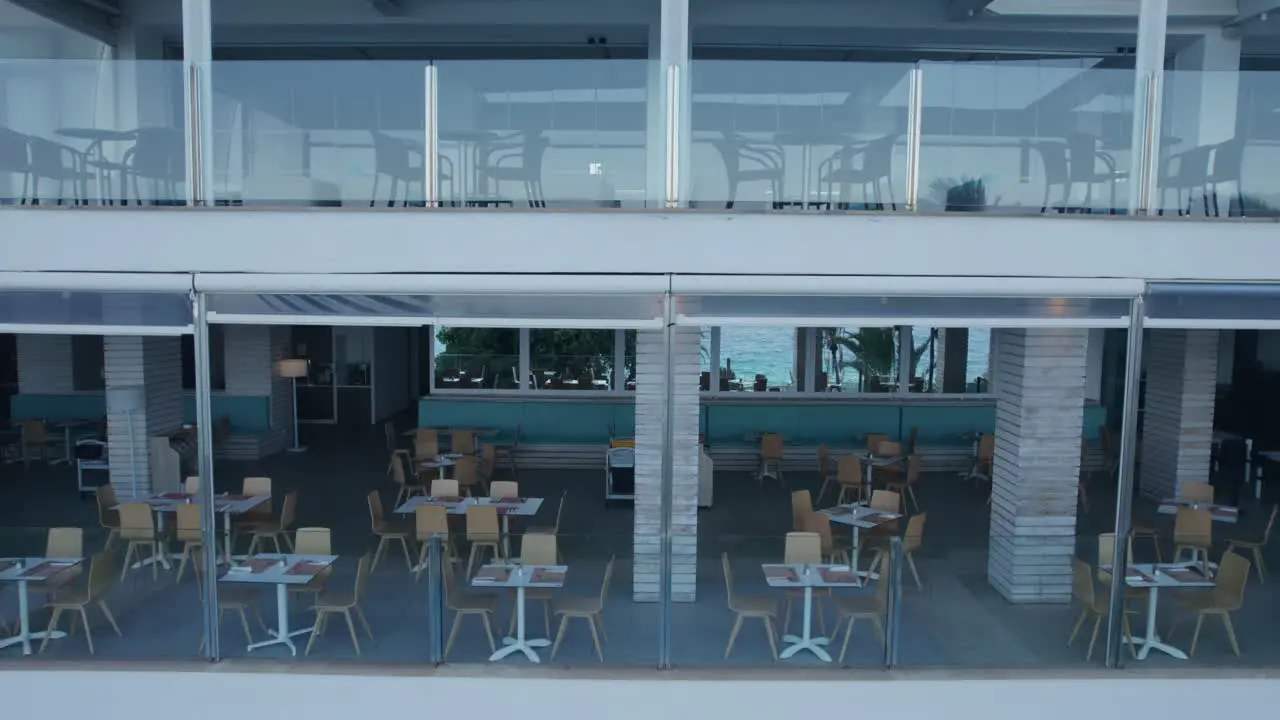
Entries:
{"x":514,"y":645}
{"x":813,"y":645}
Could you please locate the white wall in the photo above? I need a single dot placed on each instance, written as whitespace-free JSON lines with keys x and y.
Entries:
{"x":224,"y":693}
{"x":391,"y":391}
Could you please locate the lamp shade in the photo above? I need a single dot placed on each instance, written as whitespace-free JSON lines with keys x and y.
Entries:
{"x":291,"y":368}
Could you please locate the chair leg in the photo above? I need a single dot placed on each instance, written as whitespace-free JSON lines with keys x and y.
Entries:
{"x":1093,"y":638}
{"x":555,"y":648}
{"x":364,"y":621}
{"x":453,"y":634}
{"x":848,"y":632}
{"x":244,"y":623}
{"x":1261,"y":566}
{"x":1195,"y":637}
{"x":88,"y":634}
{"x":1231,"y":633}
{"x":471,"y":559}
{"x":911,"y":563}
{"x":488,"y":631}
{"x":595,"y":638}
{"x":129,"y":552}
{"x":378,"y":553}
{"x":770,"y":632}
{"x":319,"y":629}
{"x":351,"y":628}
{"x":1084,"y":613}
{"x":733,"y":635}
{"x":53,"y":625}
{"x":106,"y":612}
{"x":408,"y":558}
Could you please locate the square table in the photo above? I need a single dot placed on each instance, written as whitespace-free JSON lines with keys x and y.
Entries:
{"x":283,"y":571}
{"x":1153,"y":577}
{"x":871,"y":461}
{"x":518,"y":507}
{"x":24,"y":571}
{"x":1219,"y":513}
{"x":520,"y":576}
{"x":226,"y":505}
{"x":439,"y":462}
{"x":859,"y":517}
{"x":810,"y":577}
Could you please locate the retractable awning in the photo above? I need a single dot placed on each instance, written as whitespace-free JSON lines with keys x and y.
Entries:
{"x":1213,"y":306}
{"x":95,"y":303}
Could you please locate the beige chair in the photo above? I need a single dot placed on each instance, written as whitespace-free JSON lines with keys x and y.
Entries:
{"x":802,"y":548}
{"x":537,"y":550}
{"x":1196,"y":493}
{"x":550,"y":529}
{"x":744,"y":606}
{"x":278,"y":529}
{"x":826,"y":470}
{"x":1092,"y":603}
{"x":463,"y":604}
{"x":888,"y":448}
{"x":504,"y":490}
{"x":1107,"y":557}
{"x":38,"y":441}
{"x":874,"y":440}
{"x":345,"y":603}
{"x":431,"y":521}
{"x":488,"y":465}
{"x":108,"y":517}
{"x":313,"y":541}
{"x":62,"y":542}
{"x":463,"y":441}
{"x":482,"y":532}
{"x":426,"y":444}
{"x":1226,"y":597}
{"x":886,"y":501}
{"x":590,"y":609}
{"x":191,"y":486}
{"x":1193,"y":533}
{"x":850,"y":478}
{"x":850,"y":608}
{"x":771,"y":451}
{"x":904,"y":483}
{"x":981,"y":472}
{"x":232,"y":597}
{"x":833,"y":551}
{"x":1256,"y":543}
{"x":801,"y":506}
{"x":466,"y":472}
{"x":912,"y":540}
{"x":254,"y":486}
{"x":406,"y":489}
{"x":387,"y":531}
{"x":138,"y":529}
{"x":104,"y":568}
{"x":188,"y":533}
{"x":444,"y":488}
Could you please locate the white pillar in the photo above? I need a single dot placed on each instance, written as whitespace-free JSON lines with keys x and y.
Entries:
{"x":1177,"y":425}
{"x":44,"y":364}
{"x":1153,"y":21}
{"x":1039,"y":412}
{"x":155,"y":363}
{"x":1204,"y":92}
{"x":651,"y":396}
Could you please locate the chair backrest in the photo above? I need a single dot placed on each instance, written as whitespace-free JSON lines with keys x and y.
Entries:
{"x":771,"y":446}
{"x":1196,"y":492}
{"x":362,"y":577}
{"x":444,"y":488}
{"x":1107,"y":550}
{"x":13,"y":151}
{"x":1053,"y":155}
{"x":488,"y":460}
{"x":803,"y":548}
{"x":482,"y":522}
{"x":33,"y":431}
{"x":389,"y":432}
{"x":824,"y":461}
{"x":914,"y":465}
{"x":886,"y":501}
{"x":397,"y":467}
{"x":463,"y":441}
{"x":728,"y":580}
{"x":914,"y":536}
{"x":104,"y":572}
{"x":375,"y":508}
{"x":136,"y":522}
{"x":849,"y":470}
{"x":1193,"y":527}
{"x":874,"y":440}
{"x":313,"y":541}
{"x":911,"y":440}
{"x":820,"y":525}
{"x":189,"y":523}
{"x":604,"y":584}
{"x":1082,"y":582}
{"x":888,"y":448}
{"x":538,"y":549}
{"x":257,"y":486}
{"x":430,"y":520}
{"x":106,"y":498}
{"x":564,"y":494}
{"x":801,"y":506}
{"x":987,"y":448}
{"x":64,"y":542}
{"x":1228,"y":588}
{"x":504,"y":489}
{"x":290,"y":507}
{"x":191,"y":486}
{"x":426,"y":446}
{"x":466,"y":471}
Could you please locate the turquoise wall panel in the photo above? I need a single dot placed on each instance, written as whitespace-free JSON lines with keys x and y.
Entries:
{"x":73,"y":406}
{"x":249,"y":414}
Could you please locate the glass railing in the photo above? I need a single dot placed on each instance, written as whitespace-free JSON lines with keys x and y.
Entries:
{"x":799,"y":135}
{"x":76,"y":132}
{"x":477,"y":372}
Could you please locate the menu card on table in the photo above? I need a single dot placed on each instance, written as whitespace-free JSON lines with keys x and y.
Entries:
{"x":445,"y":499}
{"x":493,"y":574}
{"x":839,"y":511}
{"x":838,"y":575}
{"x":256,"y":565}
{"x":307,"y":567}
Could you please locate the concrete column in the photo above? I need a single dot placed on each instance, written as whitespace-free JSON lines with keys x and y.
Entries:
{"x":1177,"y":425}
{"x":1203,"y":96}
{"x":650,"y":436}
{"x":45,"y":365}
{"x":952,"y":353}
{"x":1039,"y":412}
{"x":155,"y":363}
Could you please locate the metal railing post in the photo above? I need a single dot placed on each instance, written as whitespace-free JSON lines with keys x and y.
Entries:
{"x":915,"y":113}
{"x":1124,"y":497}
{"x":435,"y":599}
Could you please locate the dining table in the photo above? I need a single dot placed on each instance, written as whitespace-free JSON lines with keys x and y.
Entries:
{"x":1153,"y":578}
{"x":284,"y":571}
{"x":520,"y":577}
{"x":859,"y":517}
{"x":226,"y":505}
{"x":506,"y":509}
{"x":808,"y":577}
{"x":23,"y":571}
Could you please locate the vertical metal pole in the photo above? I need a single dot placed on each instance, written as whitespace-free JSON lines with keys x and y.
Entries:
{"x":197,"y":50}
{"x":526,"y":362}
{"x":906,"y":353}
{"x":435,"y":599}
{"x":893,"y":609}
{"x":204,"y":462}
{"x":915,"y":111}
{"x":619,"y":361}
{"x":665,"y":569}
{"x":1153,"y":20}
{"x":1124,"y":497}
{"x":430,"y":143}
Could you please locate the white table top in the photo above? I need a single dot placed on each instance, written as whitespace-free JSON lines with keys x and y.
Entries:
{"x":535,"y":576}
{"x":520,"y":507}
{"x":859,"y":515}
{"x":794,"y":576}
{"x":270,"y":568}
{"x":1220,"y":513}
{"x":34,"y":569}
{"x":440,"y":461}
{"x":880,"y":460}
{"x":1169,"y":575}
{"x":229,"y":504}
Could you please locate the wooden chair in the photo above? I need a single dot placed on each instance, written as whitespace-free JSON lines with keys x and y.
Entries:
{"x":590,"y":609}
{"x":463,"y":604}
{"x":862,"y":607}
{"x":873,"y":441}
{"x":826,"y":471}
{"x":108,"y":518}
{"x":905,"y":483}
{"x":399,"y":460}
{"x":234,"y":597}
{"x":488,"y":465}
{"x":743,"y":606}
{"x":1193,"y":533}
{"x":1092,"y":603}
{"x":254,"y":486}
{"x":550,"y":529}
{"x":62,"y":542}
{"x":345,"y":603}
{"x":464,"y":442}
{"x":431,"y":521}
{"x":277,"y":530}
{"x":444,"y":489}
{"x":801,"y":506}
{"x":36,"y":437}
{"x":912,"y":540}
{"x":104,"y":568}
{"x":771,"y":451}
{"x":1196,"y":493}
{"x":1226,"y":597}
{"x":832,"y":551}
{"x":188,"y":533}
{"x":886,"y":501}
{"x":482,"y":532}
{"x":1256,"y":543}
{"x":466,"y":473}
{"x":138,"y":529}
{"x":982,"y":466}
{"x":387,"y":531}
{"x":537,"y":550}
{"x":426,"y":444}
{"x":191,"y":486}
{"x":313,"y":541}
{"x":850,"y":479}
{"x":504,"y":490}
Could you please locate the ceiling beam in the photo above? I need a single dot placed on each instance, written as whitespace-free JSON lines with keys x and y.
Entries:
{"x":387,"y":8}
{"x":960,"y":10}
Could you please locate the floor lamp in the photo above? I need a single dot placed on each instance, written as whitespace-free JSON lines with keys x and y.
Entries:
{"x":128,"y":399}
{"x":293,"y":369}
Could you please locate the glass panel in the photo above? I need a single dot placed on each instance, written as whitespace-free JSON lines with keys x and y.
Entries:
{"x":91,"y":132}
{"x":799,"y":135}
{"x":162,"y":311}
{"x":572,"y":359}
{"x":759,"y":359}
{"x":858,"y":359}
{"x":951,"y":360}
{"x":320,"y":133}
{"x":1174,"y":301}
{"x":1218,"y":148}
{"x":543,"y":133}
{"x":964,"y":310}
{"x":1026,"y":136}
{"x":477,"y":358}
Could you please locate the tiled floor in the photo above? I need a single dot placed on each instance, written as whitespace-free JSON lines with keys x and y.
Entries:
{"x":956,"y":620}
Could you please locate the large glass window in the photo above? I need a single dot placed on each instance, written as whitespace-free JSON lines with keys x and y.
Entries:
{"x":858,"y":359}
{"x":759,"y":359}
{"x":953,"y":361}
{"x":477,"y":358}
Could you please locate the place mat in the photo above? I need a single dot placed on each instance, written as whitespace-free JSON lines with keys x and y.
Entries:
{"x":492,"y":574}
{"x":443,"y":499}
{"x":784,"y":573}
{"x":307,"y":567}
{"x":877,"y":517}
{"x":1185,"y":575}
{"x":45,"y":570}
{"x":259,"y":565}
{"x":171,"y":496}
{"x":1225,"y":512}
{"x":837,"y":575}
{"x":1136,"y":573}
{"x":547,"y":576}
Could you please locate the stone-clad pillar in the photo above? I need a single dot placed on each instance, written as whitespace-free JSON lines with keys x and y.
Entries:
{"x":1039,"y":414}
{"x":1177,"y":425}
{"x":155,"y":364}
{"x":650,"y":398}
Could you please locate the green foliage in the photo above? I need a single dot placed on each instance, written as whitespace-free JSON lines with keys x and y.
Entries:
{"x":571,"y":351}
{"x":873,"y":349}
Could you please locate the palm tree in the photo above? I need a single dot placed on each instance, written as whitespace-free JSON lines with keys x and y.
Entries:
{"x":874,"y":351}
